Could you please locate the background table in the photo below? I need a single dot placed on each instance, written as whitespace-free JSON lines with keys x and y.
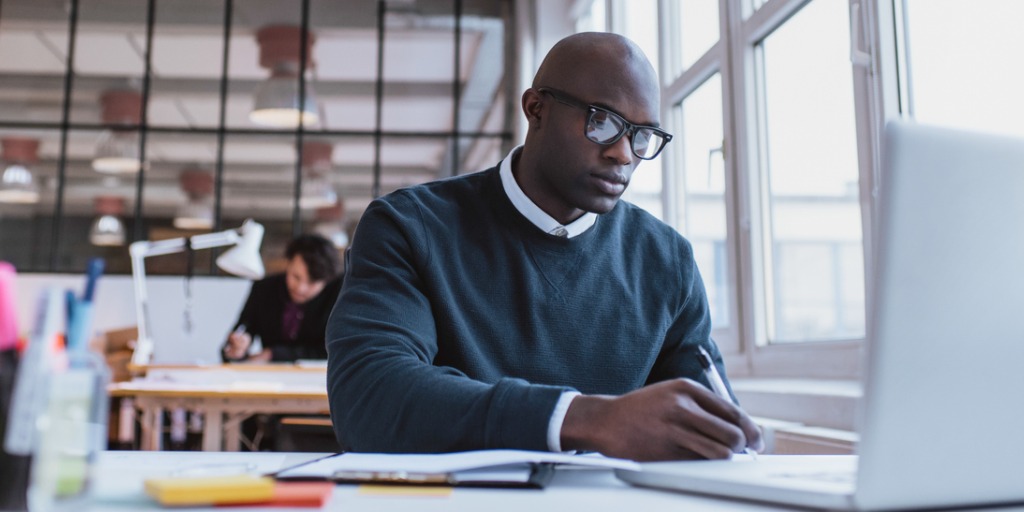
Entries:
{"x":225,"y":394}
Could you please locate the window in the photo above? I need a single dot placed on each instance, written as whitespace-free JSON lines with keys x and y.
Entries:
{"x":811,"y":178}
{"x":963,"y":63}
{"x":593,"y":16}
{"x":174,"y":92}
{"x":701,"y":208}
{"x":776,"y":130}
{"x":778,"y":107}
{"x":639,"y":22}
{"x":698,"y":29}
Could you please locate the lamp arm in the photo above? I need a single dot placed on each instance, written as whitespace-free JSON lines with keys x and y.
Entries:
{"x":143,"y":344}
{"x":143,"y":249}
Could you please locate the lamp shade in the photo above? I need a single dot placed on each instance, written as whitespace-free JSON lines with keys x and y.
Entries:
{"x":317,"y":190}
{"x":277,"y":103}
{"x":117,"y":152}
{"x":16,"y":182}
{"x":194,"y":214}
{"x":331,"y":225}
{"x":117,"y":149}
{"x":107,"y":229}
{"x":244,"y":258}
{"x":197,"y":211}
{"x":17,"y":185}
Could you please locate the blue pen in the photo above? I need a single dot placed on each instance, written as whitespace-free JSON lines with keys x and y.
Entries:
{"x":92,"y":274}
{"x":80,"y":310}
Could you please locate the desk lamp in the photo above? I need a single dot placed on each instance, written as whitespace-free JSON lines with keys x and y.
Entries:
{"x":241,"y":260}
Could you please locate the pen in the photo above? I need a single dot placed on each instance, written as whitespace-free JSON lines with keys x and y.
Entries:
{"x":79,"y":317}
{"x":239,"y":330}
{"x":92,"y":273}
{"x":717,"y":384}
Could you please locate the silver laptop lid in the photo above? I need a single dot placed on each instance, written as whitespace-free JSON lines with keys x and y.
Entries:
{"x":943,"y":411}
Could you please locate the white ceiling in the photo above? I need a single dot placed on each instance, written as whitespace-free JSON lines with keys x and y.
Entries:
{"x":187,"y":61}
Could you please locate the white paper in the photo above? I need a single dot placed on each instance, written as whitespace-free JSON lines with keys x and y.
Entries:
{"x":444,"y":463}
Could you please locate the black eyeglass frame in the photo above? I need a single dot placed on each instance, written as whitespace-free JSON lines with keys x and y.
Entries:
{"x":627,"y":127}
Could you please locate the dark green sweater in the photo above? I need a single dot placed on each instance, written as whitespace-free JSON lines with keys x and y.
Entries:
{"x":460,"y":323}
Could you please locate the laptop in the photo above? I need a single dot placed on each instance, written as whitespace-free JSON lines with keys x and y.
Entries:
{"x":942,"y":417}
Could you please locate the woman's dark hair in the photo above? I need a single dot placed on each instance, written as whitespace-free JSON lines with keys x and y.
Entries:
{"x":319,"y":255}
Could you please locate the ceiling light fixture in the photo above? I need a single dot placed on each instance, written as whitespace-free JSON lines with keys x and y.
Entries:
{"x":317,"y":190}
{"x":16,"y":183}
{"x":197,"y":211}
{"x":117,"y":150}
{"x":330,"y":224}
{"x":277,"y":99}
{"x":107,"y":229}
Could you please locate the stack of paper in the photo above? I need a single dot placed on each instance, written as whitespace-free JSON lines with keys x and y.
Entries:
{"x":482,"y":467}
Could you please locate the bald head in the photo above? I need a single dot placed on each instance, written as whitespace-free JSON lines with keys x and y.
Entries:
{"x":597,"y":57}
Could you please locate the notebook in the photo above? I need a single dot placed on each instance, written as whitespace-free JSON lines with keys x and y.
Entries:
{"x":478,"y":468}
{"x":942,"y":415}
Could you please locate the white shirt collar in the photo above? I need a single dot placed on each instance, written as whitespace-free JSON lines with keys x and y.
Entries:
{"x":531,"y":211}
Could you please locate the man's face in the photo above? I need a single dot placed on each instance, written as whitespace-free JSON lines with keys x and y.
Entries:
{"x":300,"y":287}
{"x":579,"y":175}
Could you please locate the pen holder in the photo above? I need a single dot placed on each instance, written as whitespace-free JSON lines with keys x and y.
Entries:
{"x":72,"y":430}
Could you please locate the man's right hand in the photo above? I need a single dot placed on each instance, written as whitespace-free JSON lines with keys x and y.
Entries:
{"x":670,"y":420}
{"x":238,"y":345}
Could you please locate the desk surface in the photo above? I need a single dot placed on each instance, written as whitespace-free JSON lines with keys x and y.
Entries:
{"x":297,"y":367}
{"x":119,"y":479}
{"x":184,"y":390}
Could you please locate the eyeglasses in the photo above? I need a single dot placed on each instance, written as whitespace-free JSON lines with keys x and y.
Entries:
{"x":606,"y":127}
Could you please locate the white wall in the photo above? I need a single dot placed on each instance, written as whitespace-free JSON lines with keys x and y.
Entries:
{"x":216,"y":302}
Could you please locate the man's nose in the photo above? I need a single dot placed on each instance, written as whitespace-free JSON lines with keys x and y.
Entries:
{"x":621,"y":151}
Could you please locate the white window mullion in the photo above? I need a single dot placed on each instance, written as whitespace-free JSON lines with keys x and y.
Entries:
{"x":741,"y":157}
{"x":734,"y":347}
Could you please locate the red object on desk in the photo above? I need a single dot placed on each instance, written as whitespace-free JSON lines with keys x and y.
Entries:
{"x":295,"y":494}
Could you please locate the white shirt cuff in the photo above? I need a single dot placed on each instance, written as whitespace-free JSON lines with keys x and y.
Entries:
{"x":557,"y":418}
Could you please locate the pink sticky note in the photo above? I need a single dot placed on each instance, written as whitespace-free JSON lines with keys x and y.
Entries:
{"x":8,"y":317}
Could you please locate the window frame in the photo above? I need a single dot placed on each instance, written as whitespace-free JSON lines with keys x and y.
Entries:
{"x":734,"y":56}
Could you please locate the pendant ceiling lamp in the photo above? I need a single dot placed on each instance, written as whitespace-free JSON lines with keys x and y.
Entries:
{"x":277,"y":102}
{"x":117,"y":150}
{"x":107,"y":229}
{"x":197,"y":211}
{"x":330,"y":224}
{"x":317,"y":190}
{"x":17,"y":184}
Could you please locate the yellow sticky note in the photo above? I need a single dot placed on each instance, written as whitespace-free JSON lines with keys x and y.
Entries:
{"x":406,"y":490}
{"x":211,"y":491}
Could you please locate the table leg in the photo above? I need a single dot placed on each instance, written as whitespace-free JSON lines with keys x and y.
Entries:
{"x":233,"y":431}
{"x":213,"y":427}
{"x":126,"y":422}
{"x":152,"y":428}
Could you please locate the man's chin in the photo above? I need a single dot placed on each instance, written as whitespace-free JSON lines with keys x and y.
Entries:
{"x":602,"y":206}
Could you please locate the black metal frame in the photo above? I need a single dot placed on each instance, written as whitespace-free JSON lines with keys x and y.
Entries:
{"x":221,"y":131}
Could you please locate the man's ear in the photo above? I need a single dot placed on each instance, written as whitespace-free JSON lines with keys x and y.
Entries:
{"x":532,"y":106}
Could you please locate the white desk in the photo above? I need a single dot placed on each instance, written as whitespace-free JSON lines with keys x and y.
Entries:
{"x":119,"y":477}
{"x":226,"y":395}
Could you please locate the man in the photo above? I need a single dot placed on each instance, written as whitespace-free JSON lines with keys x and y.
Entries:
{"x":289,"y":311}
{"x":476,"y":309}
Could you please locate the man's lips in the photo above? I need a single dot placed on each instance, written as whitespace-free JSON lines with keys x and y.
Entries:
{"x":611,"y":184}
